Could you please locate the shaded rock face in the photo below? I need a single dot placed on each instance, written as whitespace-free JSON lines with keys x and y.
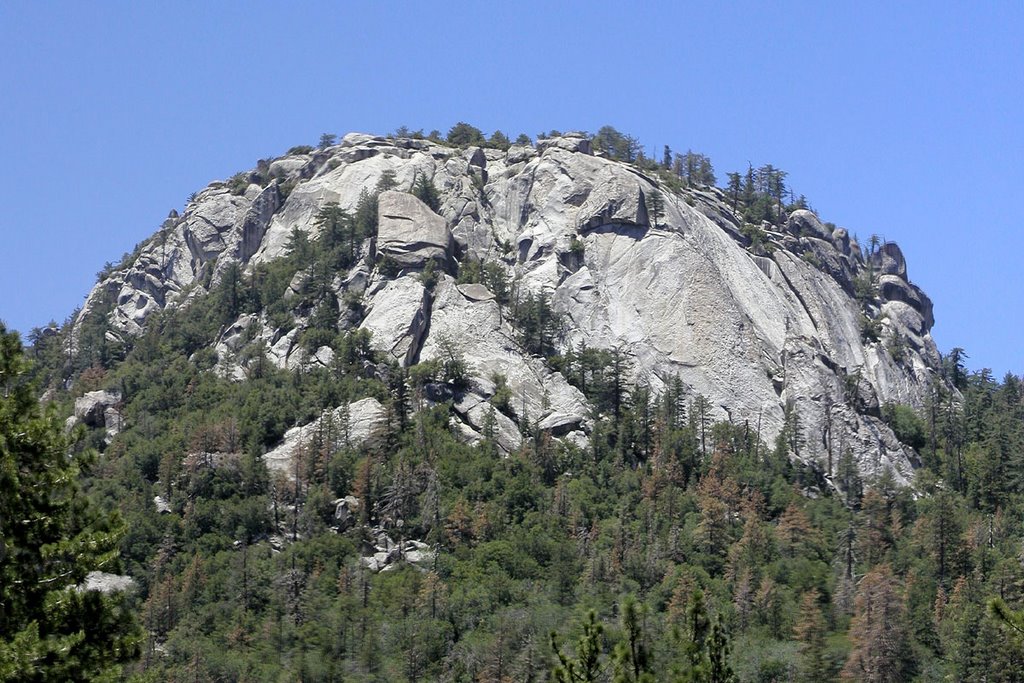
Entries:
{"x":751,"y":331}
{"x":804,"y":223}
{"x":888,"y":260}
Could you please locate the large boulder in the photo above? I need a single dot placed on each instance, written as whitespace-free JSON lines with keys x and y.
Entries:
{"x":105,"y":582}
{"x":888,"y":260}
{"x":98,"y":409}
{"x":616,"y":200}
{"x":804,"y":223}
{"x":206,"y":223}
{"x":570,"y":142}
{"x":282,"y":169}
{"x":896,"y":288}
{"x":408,"y":232}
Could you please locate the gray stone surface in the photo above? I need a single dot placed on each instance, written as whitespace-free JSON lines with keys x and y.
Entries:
{"x":107,"y":583}
{"x":804,"y":223}
{"x":397,"y":315}
{"x":475,"y":292}
{"x":364,"y":418}
{"x":479,"y":333}
{"x":409,"y":232}
{"x":99,"y":409}
{"x":750,"y":332}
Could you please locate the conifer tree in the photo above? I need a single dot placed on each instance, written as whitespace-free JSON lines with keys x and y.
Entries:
{"x":587,"y":665}
{"x":655,"y":207}
{"x":881,"y":640}
{"x":632,"y":655}
{"x":810,"y":633}
{"x":50,"y":538}
{"x":424,"y":190}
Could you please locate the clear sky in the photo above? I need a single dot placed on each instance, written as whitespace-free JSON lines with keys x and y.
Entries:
{"x":901,"y":119}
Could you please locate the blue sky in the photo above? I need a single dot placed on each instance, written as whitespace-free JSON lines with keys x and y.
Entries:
{"x":901,"y":119}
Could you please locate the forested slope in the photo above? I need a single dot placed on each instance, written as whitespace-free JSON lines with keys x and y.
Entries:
{"x":400,"y":409}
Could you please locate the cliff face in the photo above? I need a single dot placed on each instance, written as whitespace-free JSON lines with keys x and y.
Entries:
{"x":755,"y":328}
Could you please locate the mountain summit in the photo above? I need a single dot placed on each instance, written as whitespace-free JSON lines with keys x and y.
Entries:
{"x":527,"y":276}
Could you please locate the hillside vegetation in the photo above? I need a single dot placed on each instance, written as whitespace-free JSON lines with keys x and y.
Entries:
{"x":590,"y":418}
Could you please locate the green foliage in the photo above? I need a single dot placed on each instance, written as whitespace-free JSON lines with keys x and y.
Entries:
{"x":759,"y":195}
{"x":616,"y":145}
{"x":758,"y":238}
{"x":870,"y":329}
{"x":693,"y":168}
{"x":463,"y":135}
{"x":50,"y":538}
{"x":454,"y":370}
{"x":338,"y":239}
{"x":537,"y":322}
{"x":490,"y":274}
{"x":632,"y":659}
{"x":238,"y":183}
{"x":499,"y":140}
{"x":586,"y":666}
{"x":428,"y":276}
{"x":389,"y":267}
{"x":906,"y":424}
{"x":655,"y":207}
{"x":530,"y":542}
{"x":864,"y":288}
{"x":424,"y":190}
{"x":386,"y":181}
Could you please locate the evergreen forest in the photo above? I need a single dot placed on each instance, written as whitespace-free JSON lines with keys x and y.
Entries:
{"x":668,"y":547}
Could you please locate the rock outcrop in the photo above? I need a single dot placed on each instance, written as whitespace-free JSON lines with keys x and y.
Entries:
{"x":756,"y":329}
{"x":99,"y":410}
{"x":397,"y":315}
{"x":105,"y":582}
{"x":410,"y":233}
{"x":349,"y":426}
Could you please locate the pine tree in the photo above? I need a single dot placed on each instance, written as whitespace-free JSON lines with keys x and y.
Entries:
{"x":734,"y":188}
{"x":586,"y":666}
{"x":50,"y":538}
{"x":655,"y":207}
{"x":881,"y":640}
{"x":718,"y":648}
{"x":632,"y":655}
{"x":810,"y":633}
{"x":424,"y":190}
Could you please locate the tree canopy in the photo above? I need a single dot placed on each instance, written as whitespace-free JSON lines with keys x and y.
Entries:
{"x":50,"y":538}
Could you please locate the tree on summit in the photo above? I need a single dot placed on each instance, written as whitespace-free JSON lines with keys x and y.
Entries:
{"x":463,"y":134}
{"x":616,"y":145}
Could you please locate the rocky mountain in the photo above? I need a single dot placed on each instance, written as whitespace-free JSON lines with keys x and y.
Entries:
{"x":788,"y":328}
